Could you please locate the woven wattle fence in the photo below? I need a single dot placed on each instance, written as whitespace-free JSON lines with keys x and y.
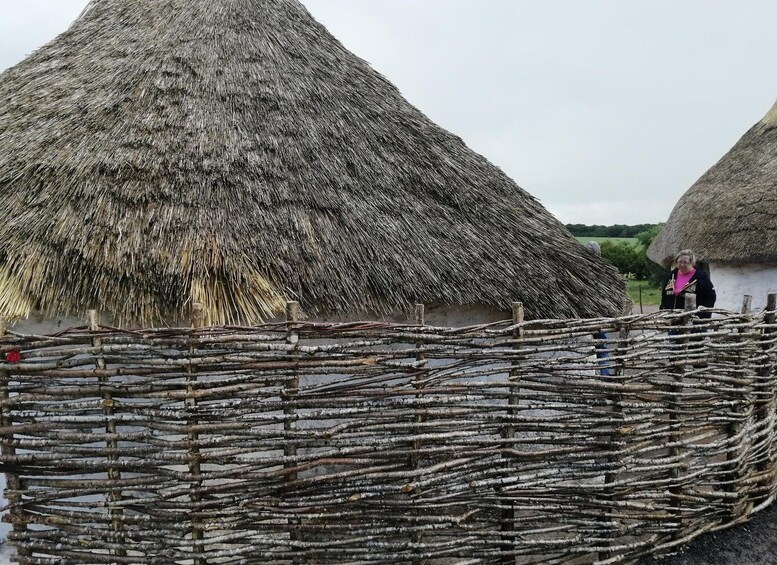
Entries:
{"x":544,"y":441}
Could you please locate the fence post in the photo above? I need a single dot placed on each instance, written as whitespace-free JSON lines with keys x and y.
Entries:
{"x":195,"y":471}
{"x":507,"y":524}
{"x":765,"y":405}
{"x":419,"y":356}
{"x":415,"y":456}
{"x":736,"y":455}
{"x":675,"y":421}
{"x":114,"y":474}
{"x":641,"y":310}
{"x":747,"y":304}
{"x":288,"y":398}
{"x":14,"y":484}
{"x":618,"y":368}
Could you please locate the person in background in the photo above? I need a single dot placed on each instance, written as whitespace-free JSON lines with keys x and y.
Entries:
{"x":594,"y":248}
{"x":685,"y":279}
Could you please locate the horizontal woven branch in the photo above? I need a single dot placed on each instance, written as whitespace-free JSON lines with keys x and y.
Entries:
{"x":544,"y":441}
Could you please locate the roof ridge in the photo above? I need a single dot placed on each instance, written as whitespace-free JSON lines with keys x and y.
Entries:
{"x":770,"y":119}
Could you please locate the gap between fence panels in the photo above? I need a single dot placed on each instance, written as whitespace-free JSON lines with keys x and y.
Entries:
{"x":578,"y":440}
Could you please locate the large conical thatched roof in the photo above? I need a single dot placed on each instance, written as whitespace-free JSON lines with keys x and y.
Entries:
{"x":728,"y":215}
{"x":232,"y":152}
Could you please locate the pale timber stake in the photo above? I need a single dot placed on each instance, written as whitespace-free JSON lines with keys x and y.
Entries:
{"x":415,"y":456}
{"x":419,"y":356}
{"x":747,"y":304}
{"x":13,"y":481}
{"x":289,"y":399}
{"x":736,"y":453}
{"x":114,"y":475}
{"x":675,"y":420}
{"x":766,"y":403}
{"x":195,"y":471}
{"x":616,"y":368}
{"x":513,"y":400}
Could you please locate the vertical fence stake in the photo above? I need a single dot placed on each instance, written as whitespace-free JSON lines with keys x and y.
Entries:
{"x":195,"y":471}
{"x":415,"y":456}
{"x":747,"y":304}
{"x":764,"y":393}
{"x":288,"y":398}
{"x":675,"y":421}
{"x":507,"y":524}
{"x":618,"y":369}
{"x":419,"y":418}
{"x":114,"y":474}
{"x":641,"y":310}
{"x":736,"y":457}
{"x":14,"y":483}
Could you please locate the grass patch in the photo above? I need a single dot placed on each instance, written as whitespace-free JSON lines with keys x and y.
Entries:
{"x":651,"y":296}
{"x":631,"y":240}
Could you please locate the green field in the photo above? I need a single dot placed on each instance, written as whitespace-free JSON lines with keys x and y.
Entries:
{"x":585,"y":239}
{"x":651,"y":296}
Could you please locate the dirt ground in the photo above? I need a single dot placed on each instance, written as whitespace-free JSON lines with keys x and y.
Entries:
{"x":753,"y":543}
{"x":646,"y":308}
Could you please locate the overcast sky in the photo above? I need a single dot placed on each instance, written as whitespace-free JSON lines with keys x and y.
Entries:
{"x":605,"y":110}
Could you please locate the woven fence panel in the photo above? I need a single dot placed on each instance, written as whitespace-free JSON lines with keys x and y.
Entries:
{"x":543,"y":442}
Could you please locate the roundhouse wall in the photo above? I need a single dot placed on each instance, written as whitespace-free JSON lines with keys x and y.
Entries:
{"x":732,"y":282}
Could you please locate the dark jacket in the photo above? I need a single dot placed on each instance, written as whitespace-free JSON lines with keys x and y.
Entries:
{"x":700,"y":284}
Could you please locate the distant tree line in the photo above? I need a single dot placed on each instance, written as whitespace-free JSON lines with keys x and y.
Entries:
{"x":618,"y":230}
{"x":629,"y":258}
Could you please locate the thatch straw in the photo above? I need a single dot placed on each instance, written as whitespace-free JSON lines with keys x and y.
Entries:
{"x":234,"y":153}
{"x":727,"y":216}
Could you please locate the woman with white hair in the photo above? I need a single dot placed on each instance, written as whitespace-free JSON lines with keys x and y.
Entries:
{"x":686,"y":279}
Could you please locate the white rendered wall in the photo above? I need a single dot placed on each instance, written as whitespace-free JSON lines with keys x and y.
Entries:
{"x":38,"y":324}
{"x":732,"y":282}
{"x":436,"y":315}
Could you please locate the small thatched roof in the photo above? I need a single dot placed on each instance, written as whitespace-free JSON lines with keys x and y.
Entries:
{"x":728,"y":215}
{"x":234,"y":153}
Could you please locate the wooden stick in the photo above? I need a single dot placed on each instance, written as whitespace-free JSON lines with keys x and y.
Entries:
{"x":737,"y":455}
{"x":507,"y":524}
{"x":419,"y":418}
{"x":765,"y":392}
{"x":288,"y":397}
{"x":195,"y":470}
{"x":114,"y":475}
{"x":617,"y":369}
{"x":14,"y":484}
{"x":419,"y":386}
{"x":747,"y":304}
{"x":675,"y":420}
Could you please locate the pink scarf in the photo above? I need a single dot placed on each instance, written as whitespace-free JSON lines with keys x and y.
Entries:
{"x":683,"y":280}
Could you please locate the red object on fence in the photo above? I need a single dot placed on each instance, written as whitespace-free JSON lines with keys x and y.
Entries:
{"x":13,"y":356}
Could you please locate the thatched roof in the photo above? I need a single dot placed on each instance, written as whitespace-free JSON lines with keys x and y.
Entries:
{"x":728,"y":215}
{"x":235,"y":153}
